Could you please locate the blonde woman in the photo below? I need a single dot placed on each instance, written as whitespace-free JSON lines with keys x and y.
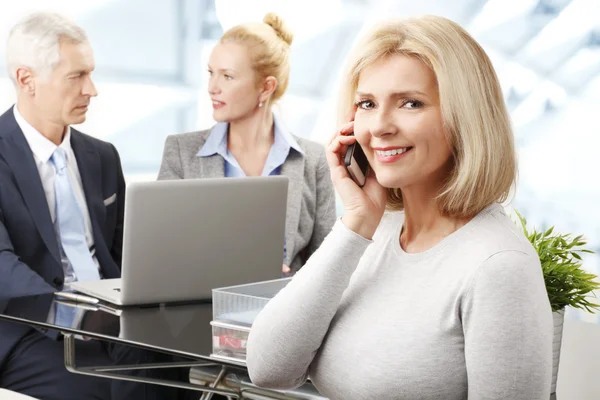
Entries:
{"x":249,"y":71}
{"x":442,"y":297}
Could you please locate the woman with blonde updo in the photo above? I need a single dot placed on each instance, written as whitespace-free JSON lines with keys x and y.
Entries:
{"x":249,"y":71}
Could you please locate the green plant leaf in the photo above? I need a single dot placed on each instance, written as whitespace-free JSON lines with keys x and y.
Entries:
{"x":567,"y":283}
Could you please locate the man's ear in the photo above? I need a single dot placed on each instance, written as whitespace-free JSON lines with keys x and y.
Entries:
{"x":25,"y":80}
{"x":268,"y":88}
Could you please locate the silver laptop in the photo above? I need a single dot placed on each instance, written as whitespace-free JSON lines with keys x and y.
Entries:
{"x":182,"y":238}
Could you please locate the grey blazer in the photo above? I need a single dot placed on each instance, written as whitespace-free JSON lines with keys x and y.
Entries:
{"x":311,"y":207}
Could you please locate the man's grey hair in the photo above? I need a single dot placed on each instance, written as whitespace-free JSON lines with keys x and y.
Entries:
{"x":34,"y":42}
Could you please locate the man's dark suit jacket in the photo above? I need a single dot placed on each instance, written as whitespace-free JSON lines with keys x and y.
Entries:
{"x":29,"y":250}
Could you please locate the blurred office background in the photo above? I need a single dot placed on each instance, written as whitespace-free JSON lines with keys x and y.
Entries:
{"x":151,"y":75}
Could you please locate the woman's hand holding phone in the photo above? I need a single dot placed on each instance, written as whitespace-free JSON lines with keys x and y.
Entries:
{"x":363,"y":207}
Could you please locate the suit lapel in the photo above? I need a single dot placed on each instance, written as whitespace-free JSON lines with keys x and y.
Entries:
{"x":208,"y":167}
{"x":294,"y":169}
{"x":90,"y":170}
{"x":18,"y":155}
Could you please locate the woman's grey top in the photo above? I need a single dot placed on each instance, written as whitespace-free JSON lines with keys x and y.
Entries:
{"x":468,"y":318}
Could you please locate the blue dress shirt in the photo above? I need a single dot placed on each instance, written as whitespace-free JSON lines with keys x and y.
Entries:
{"x":217,"y":144}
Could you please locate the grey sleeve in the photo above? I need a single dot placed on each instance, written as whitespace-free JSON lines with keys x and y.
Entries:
{"x":507,"y":322}
{"x":325,"y":205}
{"x":288,"y":332}
{"x":170,"y":167}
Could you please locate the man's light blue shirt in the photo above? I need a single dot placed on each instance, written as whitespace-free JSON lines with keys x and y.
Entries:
{"x":217,"y":144}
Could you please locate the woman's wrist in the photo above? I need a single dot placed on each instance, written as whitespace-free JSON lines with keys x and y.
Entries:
{"x":364,"y":227}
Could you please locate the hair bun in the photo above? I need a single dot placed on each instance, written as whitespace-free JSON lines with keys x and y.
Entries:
{"x":275,"y":22}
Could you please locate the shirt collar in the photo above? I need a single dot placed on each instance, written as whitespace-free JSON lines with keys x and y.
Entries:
{"x":217,"y":140}
{"x":40,"y":145}
{"x":285,"y":135}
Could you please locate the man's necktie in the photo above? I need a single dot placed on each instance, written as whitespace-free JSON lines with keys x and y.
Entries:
{"x":71,"y":229}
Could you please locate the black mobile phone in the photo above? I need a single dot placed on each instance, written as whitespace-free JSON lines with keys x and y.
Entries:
{"x":357,"y":164}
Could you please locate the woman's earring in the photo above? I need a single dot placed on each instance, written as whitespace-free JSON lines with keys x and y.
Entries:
{"x":260,"y":104}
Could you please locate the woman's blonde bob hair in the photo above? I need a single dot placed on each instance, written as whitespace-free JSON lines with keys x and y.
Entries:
{"x":472,"y":106}
{"x":269,"y":46}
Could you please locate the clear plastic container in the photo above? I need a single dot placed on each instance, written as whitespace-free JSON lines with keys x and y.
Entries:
{"x":234,"y":311}
{"x":229,"y":342}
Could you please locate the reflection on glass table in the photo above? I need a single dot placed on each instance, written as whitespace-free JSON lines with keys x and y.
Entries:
{"x":182,"y":331}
